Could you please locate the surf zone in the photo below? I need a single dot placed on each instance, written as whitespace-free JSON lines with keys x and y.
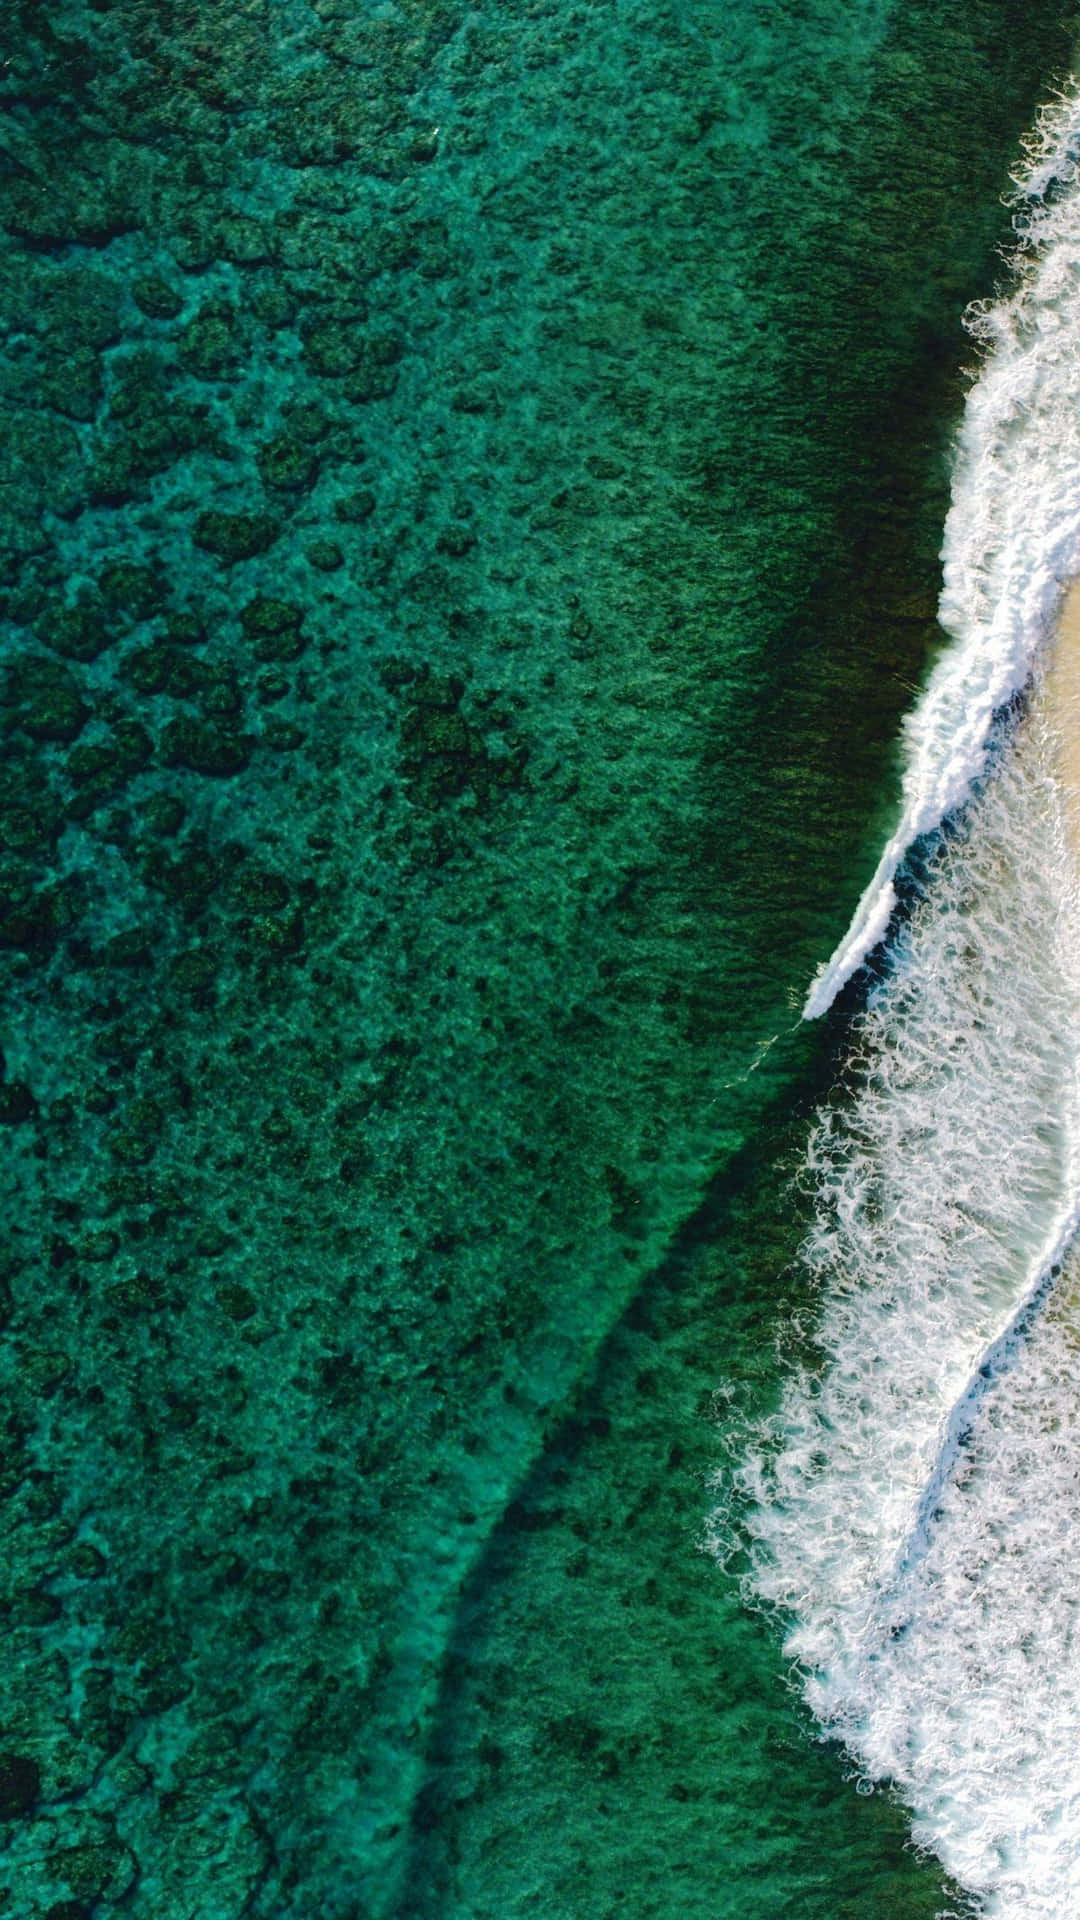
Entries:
{"x":910,"y":1508}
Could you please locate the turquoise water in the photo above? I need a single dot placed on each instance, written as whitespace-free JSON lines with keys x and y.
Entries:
{"x":473,"y":481}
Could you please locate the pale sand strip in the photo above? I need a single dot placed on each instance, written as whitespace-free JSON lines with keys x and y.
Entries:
{"x":1062,"y":708}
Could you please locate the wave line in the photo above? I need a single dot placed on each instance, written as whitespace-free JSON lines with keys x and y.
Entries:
{"x":1012,"y":536}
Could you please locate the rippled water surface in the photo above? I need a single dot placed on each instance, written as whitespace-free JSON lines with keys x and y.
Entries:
{"x":471,"y":489}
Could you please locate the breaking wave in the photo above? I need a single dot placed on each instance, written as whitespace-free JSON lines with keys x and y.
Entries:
{"x":1013,"y":531}
{"x":913,"y":1505}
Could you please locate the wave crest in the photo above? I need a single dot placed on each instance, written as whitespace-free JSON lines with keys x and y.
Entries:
{"x":1012,"y":536}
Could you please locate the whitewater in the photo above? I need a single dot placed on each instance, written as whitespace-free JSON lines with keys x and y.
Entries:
{"x":1012,"y":536}
{"x":912,"y":1506}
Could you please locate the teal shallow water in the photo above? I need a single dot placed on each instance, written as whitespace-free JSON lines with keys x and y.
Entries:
{"x":471,"y":499}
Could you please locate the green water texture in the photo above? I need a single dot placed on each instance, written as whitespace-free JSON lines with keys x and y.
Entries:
{"x":471,"y":482}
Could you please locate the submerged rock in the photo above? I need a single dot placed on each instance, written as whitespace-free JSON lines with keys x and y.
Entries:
{"x":231,"y":537}
{"x":20,"y":1784}
{"x":203,"y":747}
{"x":47,"y":700}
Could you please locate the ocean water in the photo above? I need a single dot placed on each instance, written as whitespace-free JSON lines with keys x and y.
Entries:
{"x":471,"y":489}
{"x":574,"y":1705}
{"x":911,"y":1503}
{"x":1013,"y":532}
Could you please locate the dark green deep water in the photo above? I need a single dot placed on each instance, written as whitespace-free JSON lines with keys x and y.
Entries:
{"x":471,"y":484}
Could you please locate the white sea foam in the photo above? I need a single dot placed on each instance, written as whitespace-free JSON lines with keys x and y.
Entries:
{"x":1013,"y":531}
{"x":914,"y":1506}
{"x":982,"y":1683}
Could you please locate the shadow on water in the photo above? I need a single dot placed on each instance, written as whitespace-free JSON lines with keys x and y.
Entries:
{"x":614,"y":1725}
{"x":614,"y":1732}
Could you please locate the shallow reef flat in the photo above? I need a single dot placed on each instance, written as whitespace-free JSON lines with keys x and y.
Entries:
{"x":470,"y":483}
